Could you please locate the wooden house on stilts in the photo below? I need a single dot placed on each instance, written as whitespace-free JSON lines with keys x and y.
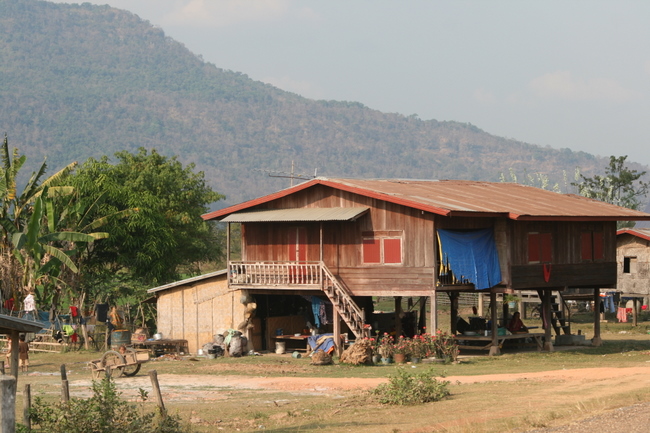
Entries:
{"x":348,"y":240}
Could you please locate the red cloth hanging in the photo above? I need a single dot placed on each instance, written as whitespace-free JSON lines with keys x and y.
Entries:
{"x":547,"y":272}
{"x":73,"y":311}
{"x":9,"y":304}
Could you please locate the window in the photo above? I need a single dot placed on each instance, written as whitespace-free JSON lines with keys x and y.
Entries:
{"x":592,"y":246}
{"x":629,"y":265}
{"x":382,"y":247}
{"x":540,"y":247}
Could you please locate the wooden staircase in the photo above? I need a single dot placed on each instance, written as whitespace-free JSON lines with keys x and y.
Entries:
{"x":560,"y":323}
{"x":344,"y":304}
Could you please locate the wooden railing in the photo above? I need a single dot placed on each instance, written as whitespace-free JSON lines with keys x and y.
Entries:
{"x":343,"y":302}
{"x":269,"y":274}
{"x":275,"y":273}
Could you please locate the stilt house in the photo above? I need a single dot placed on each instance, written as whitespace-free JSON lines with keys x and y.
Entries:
{"x":349,"y":240}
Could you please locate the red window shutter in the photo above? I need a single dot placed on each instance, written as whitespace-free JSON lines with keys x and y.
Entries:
{"x":547,"y":247}
{"x":586,"y":246}
{"x":371,"y":252}
{"x":392,"y":251}
{"x":598,"y":246}
{"x":533,"y":247}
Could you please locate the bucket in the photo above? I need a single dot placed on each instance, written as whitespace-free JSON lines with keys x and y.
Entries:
{"x":280,"y":347}
{"x":296,"y":355}
{"x":120,"y":337}
{"x":212,"y":355}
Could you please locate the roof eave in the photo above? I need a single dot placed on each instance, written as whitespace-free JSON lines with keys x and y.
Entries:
{"x":575,"y":218}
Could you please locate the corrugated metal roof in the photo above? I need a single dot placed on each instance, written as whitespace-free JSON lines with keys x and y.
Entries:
{"x":302,"y":214}
{"x":466,"y":198}
{"x":640,"y":233}
{"x":188,"y":281}
{"x":10,"y":323}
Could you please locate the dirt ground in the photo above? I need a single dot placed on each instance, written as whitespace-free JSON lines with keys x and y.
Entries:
{"x":193,"y":387}
{"x":280,"y":394}
{"x":590,"y":384}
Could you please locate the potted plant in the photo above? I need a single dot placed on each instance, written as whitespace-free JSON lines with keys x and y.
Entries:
{"x":386,"y":347}
{"x":401,"y":349}
{"x":419,"y":348}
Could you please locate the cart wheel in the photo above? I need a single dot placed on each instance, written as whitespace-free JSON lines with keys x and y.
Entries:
{"x":132,"y":369}
{"x":115,"y":361}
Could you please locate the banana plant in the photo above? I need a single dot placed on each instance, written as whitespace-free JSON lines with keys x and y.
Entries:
{"x":35,"y":248}
{"x":15,"y":210}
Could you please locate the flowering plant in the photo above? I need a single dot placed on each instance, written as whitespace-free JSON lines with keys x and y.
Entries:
{"x":446,"y":347}
{"x":402,"y":346}
{"x":386,"y":346}
{"x":420,"y":347}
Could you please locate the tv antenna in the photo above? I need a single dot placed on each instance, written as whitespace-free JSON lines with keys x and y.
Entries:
{"x":291,"y":175}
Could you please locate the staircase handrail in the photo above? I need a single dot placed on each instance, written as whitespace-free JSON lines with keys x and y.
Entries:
{"x":359,"y":319}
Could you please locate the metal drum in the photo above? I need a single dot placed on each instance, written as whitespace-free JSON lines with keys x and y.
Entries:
{"x":120,"y":337}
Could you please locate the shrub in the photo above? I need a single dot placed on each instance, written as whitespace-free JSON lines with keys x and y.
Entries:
{"x":104,"y":412}
{"x":409,"y":389}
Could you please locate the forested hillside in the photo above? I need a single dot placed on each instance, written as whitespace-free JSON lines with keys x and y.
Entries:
{"x":83,"y":80}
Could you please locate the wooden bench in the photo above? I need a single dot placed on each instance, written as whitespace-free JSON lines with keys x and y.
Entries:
{"x":301,"y":338}
{"x":461,"y":339}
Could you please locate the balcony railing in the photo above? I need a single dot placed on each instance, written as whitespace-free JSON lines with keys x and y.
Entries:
{"x":275,"y":273}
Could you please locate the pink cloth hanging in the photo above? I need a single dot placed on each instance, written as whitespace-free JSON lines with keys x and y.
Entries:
{"x":621,"y":315}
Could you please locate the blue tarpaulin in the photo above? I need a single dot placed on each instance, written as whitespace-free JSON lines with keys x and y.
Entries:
{"x":472,"y":256}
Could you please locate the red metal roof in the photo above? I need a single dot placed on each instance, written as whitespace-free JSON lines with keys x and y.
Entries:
{"x":640,"y":233}
{"x":466,"y":198}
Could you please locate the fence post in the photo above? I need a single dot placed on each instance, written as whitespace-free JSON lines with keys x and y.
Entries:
{"x":7,"y":404}
{"x":27,"y":405}
{"x":65,"y":389}
{"x":153,"y":374}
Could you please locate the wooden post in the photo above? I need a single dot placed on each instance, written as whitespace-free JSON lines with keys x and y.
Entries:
{"x":7,"y":404}
{"x":422,"y":317}
{"x":546,"y":311}
{"x":228,"y":250}
{"x":14,"y":354}
{"x":433,"y":325}
{"x":398,"y":320}
{"x":65,"y":389}
{"x":634,"y":312}
{"x":2,"y":367}
{"x":453,"y":300}
{"x":494,"y":349}
{"x":596,"y":341}
{"x":153,"y":375}
{"x":336,"y":330}
{"x":27,"y":405}
{"x":480,"y":305}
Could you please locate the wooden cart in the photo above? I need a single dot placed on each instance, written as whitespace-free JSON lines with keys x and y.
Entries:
{"x":125,"y":363}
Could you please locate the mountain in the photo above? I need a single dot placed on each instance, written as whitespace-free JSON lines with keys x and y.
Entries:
{"x":82,"y":81}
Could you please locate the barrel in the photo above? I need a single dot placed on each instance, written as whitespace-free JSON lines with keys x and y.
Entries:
{"x":280,"y":347}
{"x":120,"y":337}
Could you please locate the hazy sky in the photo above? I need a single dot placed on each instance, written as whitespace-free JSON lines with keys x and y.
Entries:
{"x":563,"y":73}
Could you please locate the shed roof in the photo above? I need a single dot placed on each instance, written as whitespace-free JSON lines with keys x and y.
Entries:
{"x":302,"y":214}
{"x":639,"y":233}
{"x":464,"y":198}
{"x":10,"y":323}
{"x":188,"y":281}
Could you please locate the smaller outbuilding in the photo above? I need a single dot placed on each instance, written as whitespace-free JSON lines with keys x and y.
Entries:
{"x":197,"y":308}
{"x":633,"y":264}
